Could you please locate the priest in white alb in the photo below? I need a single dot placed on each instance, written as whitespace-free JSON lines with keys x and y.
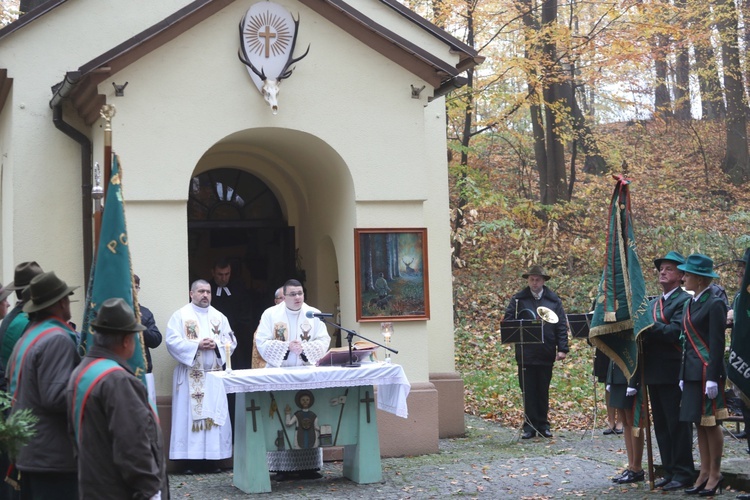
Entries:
{"x":200,"y":338}
{"x":286,"y":336}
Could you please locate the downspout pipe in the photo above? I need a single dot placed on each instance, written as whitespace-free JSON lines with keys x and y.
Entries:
{"x":59,"y":92}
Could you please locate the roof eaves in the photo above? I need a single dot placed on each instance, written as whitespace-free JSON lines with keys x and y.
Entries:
{"x":431,"y":28}
{"x":441,"y":70}
{"x":30,"y":16}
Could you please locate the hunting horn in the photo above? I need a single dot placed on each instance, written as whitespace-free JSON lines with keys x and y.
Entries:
{"x":547,"y":314}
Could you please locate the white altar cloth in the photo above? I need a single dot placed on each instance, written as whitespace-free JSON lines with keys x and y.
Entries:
{"x":393,"y":386}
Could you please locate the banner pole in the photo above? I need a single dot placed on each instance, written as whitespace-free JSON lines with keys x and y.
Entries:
{"x":107,"y":112}
{"x":645,"y":411}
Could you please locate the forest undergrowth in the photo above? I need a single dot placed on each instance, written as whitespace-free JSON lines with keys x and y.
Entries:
{"x":681,"y":200}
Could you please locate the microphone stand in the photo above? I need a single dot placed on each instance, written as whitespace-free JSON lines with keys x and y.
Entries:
{"x":350,"y":335}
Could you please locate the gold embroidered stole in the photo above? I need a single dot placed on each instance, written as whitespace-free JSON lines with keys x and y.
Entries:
{"x":196,"y":373}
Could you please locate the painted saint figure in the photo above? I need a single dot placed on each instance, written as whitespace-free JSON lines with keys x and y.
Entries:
{"x":307,"y":433}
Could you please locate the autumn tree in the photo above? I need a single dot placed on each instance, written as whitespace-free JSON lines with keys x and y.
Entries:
{"x":8,"y":12}
{"x":736,"y":156}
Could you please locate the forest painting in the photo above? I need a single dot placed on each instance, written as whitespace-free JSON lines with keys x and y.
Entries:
{"x":391,"y":268}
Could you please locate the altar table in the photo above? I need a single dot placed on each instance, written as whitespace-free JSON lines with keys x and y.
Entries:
{"x":343,"y":398}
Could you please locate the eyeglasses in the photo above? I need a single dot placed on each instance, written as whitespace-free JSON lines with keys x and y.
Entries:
{"x":295,"y":294}
{"x":137,"y":287}
{"x":278,"y":298}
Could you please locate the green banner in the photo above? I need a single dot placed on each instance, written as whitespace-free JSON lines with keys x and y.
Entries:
{"x":621,"y":311}
{"x":112,"y":275}
{"x":738,"y":368}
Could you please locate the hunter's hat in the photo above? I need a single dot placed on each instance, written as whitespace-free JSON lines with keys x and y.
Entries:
{"x":116,"y":316}
{"x":673,"y":256}
{"x":24,"y":273}
{"x":46,"y":289}
{"x":699,"y":264}
{"x":536,"y":270}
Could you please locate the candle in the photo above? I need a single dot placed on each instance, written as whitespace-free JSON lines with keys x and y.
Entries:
{"x":228,"y":357}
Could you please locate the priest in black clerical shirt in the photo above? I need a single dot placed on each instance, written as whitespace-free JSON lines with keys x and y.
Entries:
{"x":231,"y":299}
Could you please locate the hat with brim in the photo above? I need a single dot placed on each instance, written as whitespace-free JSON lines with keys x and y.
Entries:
{"x":699,"y":264}
{"x":536,"y":271}
{"x":4,"y":292}
{"x":46,"y":289}
{"x":23,"y":274}
{"x":675,"y":257}
{"x":115,"y":316}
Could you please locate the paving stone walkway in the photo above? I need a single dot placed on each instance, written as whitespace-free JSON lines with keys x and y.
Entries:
{"x":490,"y":462}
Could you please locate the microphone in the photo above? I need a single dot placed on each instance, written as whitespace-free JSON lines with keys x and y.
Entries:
{"x":311,"y":314}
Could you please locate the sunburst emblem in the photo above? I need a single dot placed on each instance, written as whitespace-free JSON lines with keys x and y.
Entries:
{"x":267,"y":34}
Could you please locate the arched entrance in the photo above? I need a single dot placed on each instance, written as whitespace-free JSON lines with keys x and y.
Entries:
{"x":233,"y":215}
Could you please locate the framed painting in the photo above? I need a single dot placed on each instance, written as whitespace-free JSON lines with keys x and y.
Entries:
{"x":392,"y":280}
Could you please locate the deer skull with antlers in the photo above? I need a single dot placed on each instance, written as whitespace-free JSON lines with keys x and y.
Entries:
{"x":266,"y":34}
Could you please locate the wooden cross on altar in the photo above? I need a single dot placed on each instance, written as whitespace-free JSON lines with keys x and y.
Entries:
{"x":367,"y":400}
{"x":253,"y":408}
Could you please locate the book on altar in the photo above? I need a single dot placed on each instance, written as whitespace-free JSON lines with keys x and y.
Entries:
{"x":362,"y":352}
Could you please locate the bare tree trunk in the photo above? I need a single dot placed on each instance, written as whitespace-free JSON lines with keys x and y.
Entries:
{"x":712,"y":95}
{"x":682,"y":72}
{"x":535,"y":108}
{"x":367,"y":263}
{"x":389,"y":256}
{"x":466,"y":136}
{"x":555,"y":188}
{"x":660,"y":51}
{"x":736,"y":157}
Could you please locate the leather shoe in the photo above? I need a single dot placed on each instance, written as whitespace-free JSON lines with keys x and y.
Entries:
{"x":745,"y":496}
{"x":674,"y":485}
{"x":546,"y":433}
{"x":741,"y":435}
{"x":527,"y":435}
{"x":608,"y":431}
{"x":623,"y":474}
{"x":633,"y":477}
{"x":662,"y":482}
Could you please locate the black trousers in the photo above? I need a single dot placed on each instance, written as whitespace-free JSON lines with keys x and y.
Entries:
{"x":49,"y":486}
{"x":534,"y":381}
{"x":675,"y":438}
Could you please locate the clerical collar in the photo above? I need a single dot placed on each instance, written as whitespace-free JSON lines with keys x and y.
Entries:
{"x":290,"y":311}
{"x":225,"y":289}
{"x":199,"y":309}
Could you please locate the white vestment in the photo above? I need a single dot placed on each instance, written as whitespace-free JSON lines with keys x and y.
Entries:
{"x":196,"y":434}
{"x":279,"y":326}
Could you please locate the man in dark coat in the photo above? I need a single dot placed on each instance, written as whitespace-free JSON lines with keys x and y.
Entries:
{"x":151,"y":335}
{"x":38,"y":371}
{"x":115,"y":430}
{"x":15,"y":322}
{"x":662,"y":355}
{"x":230,"y":298}
{"x":535,"y":360}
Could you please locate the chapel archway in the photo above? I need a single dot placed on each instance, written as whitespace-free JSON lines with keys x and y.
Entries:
{"x":233,"y":214}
